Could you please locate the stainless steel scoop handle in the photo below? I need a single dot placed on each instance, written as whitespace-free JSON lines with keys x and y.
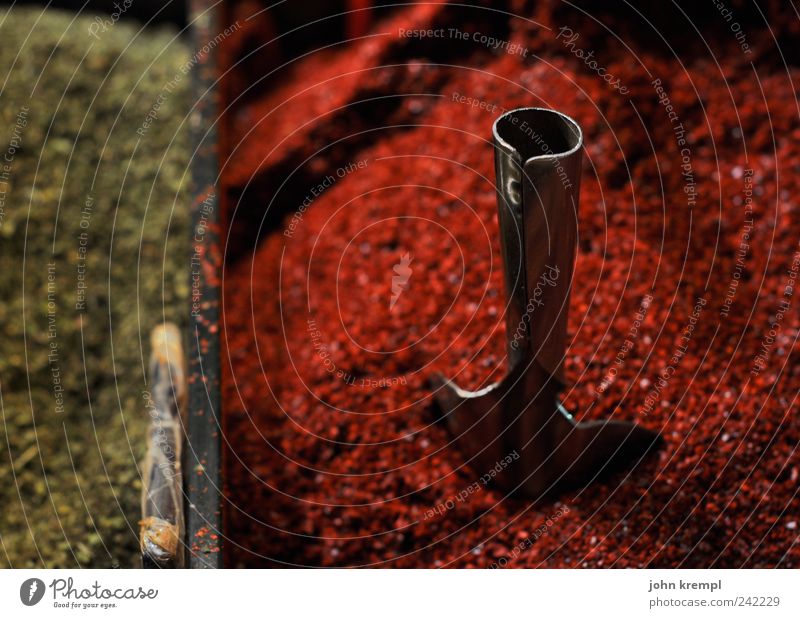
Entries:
{"x":538,"y":167}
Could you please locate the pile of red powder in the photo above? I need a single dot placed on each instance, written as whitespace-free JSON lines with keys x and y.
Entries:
{"x":370,"y":161}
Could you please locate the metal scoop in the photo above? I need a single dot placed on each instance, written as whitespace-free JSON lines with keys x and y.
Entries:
{"x":161,"y":527}
{"x":516,"y":431}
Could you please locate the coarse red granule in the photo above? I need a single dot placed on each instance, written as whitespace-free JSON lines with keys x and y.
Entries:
{"x":365,"y":283}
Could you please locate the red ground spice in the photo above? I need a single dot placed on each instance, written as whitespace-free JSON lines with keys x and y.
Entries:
{"x":325,"y":470}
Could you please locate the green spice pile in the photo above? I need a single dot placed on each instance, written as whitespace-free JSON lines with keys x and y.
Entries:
{"x":94,"y":216}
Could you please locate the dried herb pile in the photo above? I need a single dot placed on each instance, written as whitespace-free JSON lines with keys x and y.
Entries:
{"x":94,"y":247}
